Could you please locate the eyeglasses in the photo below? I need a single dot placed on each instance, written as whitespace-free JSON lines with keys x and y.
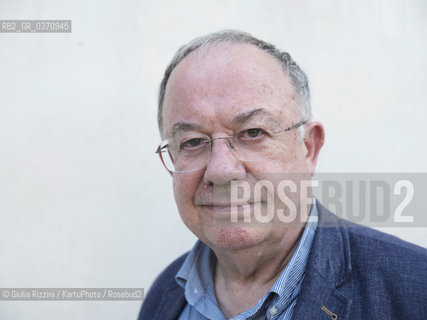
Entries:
{"x":190,"y":151}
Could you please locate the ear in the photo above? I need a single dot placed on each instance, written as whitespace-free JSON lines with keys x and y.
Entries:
{"x":313,"y":141}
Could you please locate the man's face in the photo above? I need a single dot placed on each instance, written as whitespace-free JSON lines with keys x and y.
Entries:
{"x":217,"y":91}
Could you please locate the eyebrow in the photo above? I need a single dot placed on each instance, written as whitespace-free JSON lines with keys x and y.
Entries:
{"x":184,"y":126}
{"x":239,"y":119}
{"x":257,"y":112}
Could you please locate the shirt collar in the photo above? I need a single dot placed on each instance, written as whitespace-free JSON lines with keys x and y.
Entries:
{"x":196,"y":273}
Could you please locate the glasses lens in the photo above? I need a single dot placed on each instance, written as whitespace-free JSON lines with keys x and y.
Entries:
{"x":262,"y":149}
{"x":190,"y":154}
{"x":167,"y":160}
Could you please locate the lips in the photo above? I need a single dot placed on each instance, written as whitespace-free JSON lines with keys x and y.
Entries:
{"x":224,"y":205}
{"x":228,"y":207}
{"x":209,"y":200}
{"x":225,"y":210}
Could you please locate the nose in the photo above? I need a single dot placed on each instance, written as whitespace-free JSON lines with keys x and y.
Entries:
{"x":223,"y":166}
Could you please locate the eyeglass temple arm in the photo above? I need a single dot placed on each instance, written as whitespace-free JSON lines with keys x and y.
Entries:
{"x":296,"y":125}
{"x":160,"y":149}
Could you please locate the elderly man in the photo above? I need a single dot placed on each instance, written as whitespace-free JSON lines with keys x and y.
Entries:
{"x":234,"y":111}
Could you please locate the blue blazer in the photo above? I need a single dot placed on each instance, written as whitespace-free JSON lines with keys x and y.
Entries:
{"x":353,"y":271}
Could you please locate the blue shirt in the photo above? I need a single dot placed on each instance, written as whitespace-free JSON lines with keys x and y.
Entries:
{"x":196,"y":277}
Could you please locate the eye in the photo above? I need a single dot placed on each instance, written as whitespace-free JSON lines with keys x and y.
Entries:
{"x":252,"y":134}
{"x":192,"y":143}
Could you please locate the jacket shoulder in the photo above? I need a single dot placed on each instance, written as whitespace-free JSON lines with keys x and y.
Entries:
{"x":391,"y":273}
{"x":369,"y":274}
{"x":375,"y":245}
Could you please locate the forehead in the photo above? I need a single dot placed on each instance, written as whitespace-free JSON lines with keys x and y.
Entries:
{"x":212,"y":85}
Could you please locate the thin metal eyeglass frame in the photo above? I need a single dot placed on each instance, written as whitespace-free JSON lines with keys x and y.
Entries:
{"x":160,"y":150}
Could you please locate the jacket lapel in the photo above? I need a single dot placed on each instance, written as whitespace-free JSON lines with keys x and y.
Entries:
{"x":172,"y":303}
{"x":329,"y":266}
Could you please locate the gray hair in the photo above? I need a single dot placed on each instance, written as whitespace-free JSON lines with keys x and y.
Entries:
{"x":298,"y":78}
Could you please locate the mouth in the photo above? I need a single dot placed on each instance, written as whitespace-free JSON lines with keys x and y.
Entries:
{"x":228,"y":207}
{"x":225,"y":204}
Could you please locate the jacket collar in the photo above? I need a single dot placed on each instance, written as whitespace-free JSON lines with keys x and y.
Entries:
{"x":173,"y":303}
{"x":329,"y":266}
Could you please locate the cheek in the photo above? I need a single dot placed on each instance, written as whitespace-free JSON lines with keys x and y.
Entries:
{"x":184,"y":187}
{"x":281,"y":163}
{"x":292,"y":159}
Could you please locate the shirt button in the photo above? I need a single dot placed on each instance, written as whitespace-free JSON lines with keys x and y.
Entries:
{"x":196,"y":291}
{"x":273,"y":311}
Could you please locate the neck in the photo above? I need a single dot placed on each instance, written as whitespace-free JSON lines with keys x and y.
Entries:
{"x":243,"y":277}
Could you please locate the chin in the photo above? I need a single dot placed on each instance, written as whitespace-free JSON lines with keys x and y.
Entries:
{"x":234,"y":238}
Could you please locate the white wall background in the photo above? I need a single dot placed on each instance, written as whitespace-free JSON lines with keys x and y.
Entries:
{"x":84,"y":202}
